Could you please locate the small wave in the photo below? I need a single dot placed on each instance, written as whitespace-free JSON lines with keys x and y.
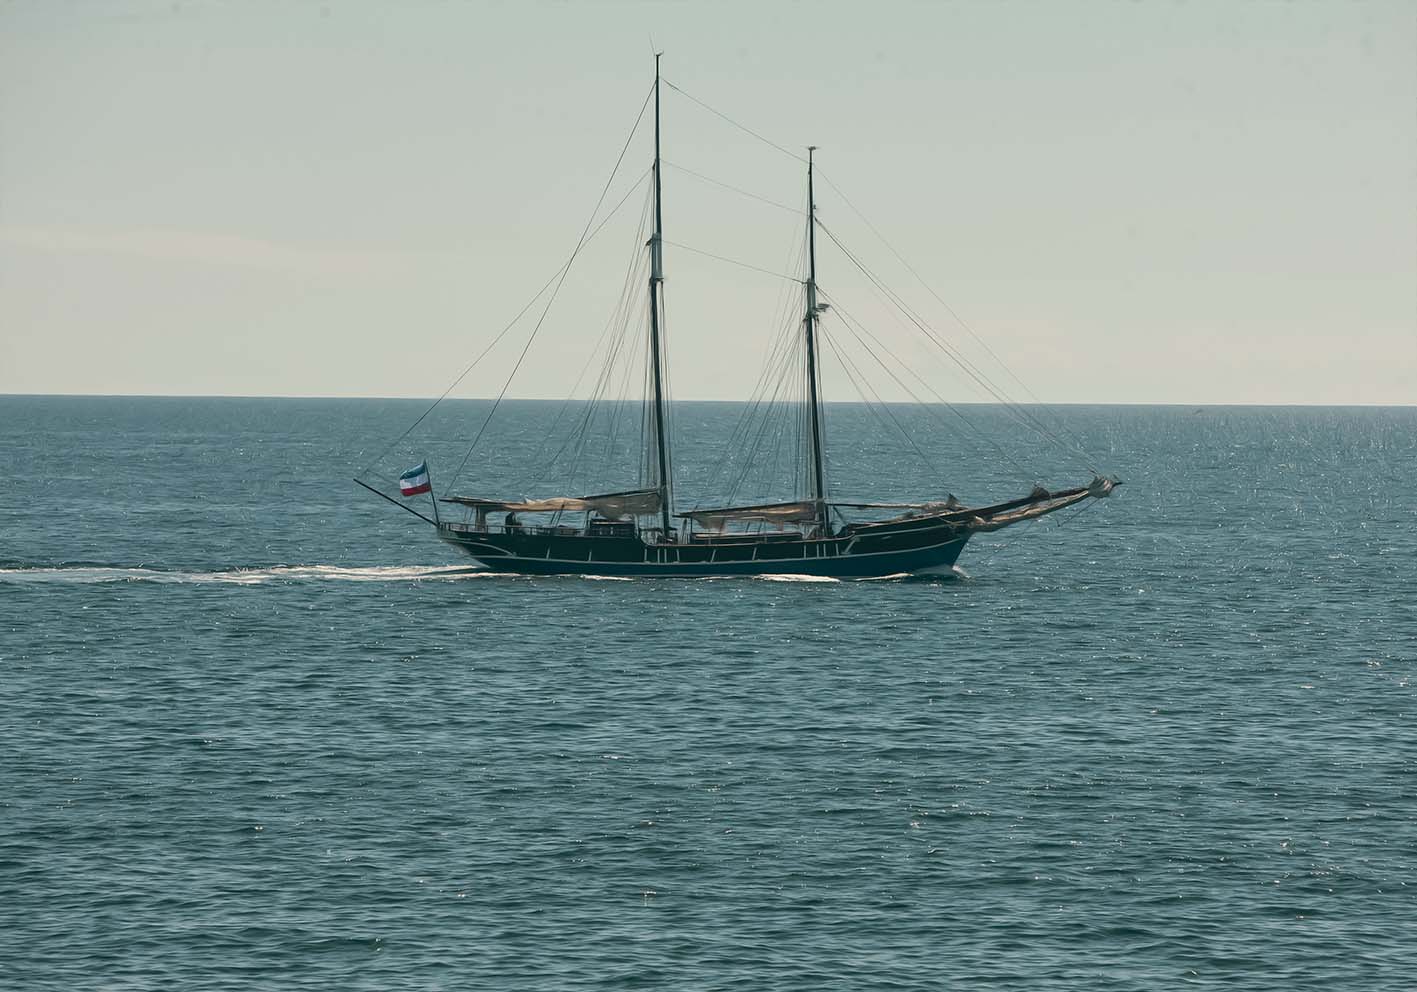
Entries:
{"x":88,"y":574}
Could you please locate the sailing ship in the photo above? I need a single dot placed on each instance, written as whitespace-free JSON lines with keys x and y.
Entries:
{"x":638,"y":532}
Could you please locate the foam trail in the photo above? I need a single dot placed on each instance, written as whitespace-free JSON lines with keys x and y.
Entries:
{"x":796,"y":578}
{"x":924,"y":575}
{"x":85,"y":575}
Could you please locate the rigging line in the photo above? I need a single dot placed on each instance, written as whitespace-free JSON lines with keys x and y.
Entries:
{"x":782,"y":343}
{"x":631,"y":334}
{"x":780,"y":361}
{"x":1022,"y":414}
{"x":782,"y":316}
{"x":977,"y":374}
{"x":849,"y":367}
{"x":561,"y":281}
{"x":646,"y":418}
{"x":742,"y":127}
{"x":619,"y":318}
{"x":617,"y":408}
{"x":738,"y":455}
{"x":928,"y":288}
{"x":775,"y":366}
{"x":503,"y":332}
{"x":1006,"y":405}
{"x":931,"y":290}
{"x":1058,"y":521}
{"x":777,"y":343}
{"x":1025,"y":417}
{"x":735,"y":189}
{"x":853,"y":324}
{"x":909,"y":391}
{"x":789,"y":302}
{"x":1076,"y":442}
{"x":666,"y":384}
{"x":580,"y":436}
{"x":788,"y":379}
{"x":732,"y":261}
{"x":577,"y":439}
{"x":622,"y":303}
{"x":743,"y":424}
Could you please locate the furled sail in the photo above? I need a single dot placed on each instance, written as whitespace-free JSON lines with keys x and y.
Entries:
{"x":802,"y":511}
{"x":1036,"y":505}
{"x":933,"y":506}
{"x":613,"y":506}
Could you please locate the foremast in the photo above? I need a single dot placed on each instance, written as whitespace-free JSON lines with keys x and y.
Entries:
{"x":656,"y":278}
{"x":819,"y":489}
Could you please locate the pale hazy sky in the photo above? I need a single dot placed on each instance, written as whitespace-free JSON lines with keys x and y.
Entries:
{"x":1132,"y":202}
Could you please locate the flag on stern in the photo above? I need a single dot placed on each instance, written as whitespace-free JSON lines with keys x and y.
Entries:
{"x":416,"y":480}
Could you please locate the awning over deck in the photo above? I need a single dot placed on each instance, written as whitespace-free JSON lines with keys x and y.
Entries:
{"x":613,"y":506}
{"x":801,"y":511}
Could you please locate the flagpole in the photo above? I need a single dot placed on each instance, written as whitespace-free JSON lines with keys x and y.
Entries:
{"x":401,"y":506}
{"x":432,"y":496}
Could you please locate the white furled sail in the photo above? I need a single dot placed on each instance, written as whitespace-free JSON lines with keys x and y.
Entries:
{"x":801,"y":511}
{"x":611,"y":506}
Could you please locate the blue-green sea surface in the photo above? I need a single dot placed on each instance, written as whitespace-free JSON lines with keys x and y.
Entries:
{"x":259,"y":729}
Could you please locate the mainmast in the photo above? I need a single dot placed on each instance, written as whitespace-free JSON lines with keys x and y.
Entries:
{"x":819,"y":490}
{"x":656,"y":277}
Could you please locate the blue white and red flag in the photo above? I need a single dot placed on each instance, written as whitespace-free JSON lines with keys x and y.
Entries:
{"x":416,"y":480}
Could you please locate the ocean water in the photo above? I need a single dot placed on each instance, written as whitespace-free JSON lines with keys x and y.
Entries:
{"x":259,"y":729}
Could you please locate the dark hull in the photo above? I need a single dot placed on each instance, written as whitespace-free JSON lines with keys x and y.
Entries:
{"x":853,"y":556}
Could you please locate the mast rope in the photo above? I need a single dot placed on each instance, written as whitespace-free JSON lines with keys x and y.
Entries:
{"x":742,"y":127}
{"x":1025,"y":417}
{"x":732,"y":261}
{"x":950,"y":310}
{"x":580,"y":243}
{"x":782,"y":357}
{"x":560,"y":272}
{"x":618,"y":321}
{"x":1057,"y":520}
{"x":978,"y":375}
{"x":856,"y":326}
{"x":788,"y":373}
{"x":885,"y":416}
{"x":735,"y":189}
{"x":784,"y":338}
{"x":928,"y":288}
{"x":1020,"y":413}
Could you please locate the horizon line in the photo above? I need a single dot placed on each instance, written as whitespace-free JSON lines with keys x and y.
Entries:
{"x":547,"y":399}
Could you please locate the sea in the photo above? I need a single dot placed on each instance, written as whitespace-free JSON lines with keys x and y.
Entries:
{"x":259,"y":729}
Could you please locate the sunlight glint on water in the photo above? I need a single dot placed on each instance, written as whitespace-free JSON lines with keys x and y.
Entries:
{"x":261,"y":729}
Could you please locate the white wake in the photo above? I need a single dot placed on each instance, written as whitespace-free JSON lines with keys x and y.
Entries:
{"x":82,"y":575}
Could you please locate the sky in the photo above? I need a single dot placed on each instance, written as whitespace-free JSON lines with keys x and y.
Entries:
{"x":1141,"y":202}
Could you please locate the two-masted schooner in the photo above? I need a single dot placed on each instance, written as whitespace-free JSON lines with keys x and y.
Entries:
{"x":637,"y":532}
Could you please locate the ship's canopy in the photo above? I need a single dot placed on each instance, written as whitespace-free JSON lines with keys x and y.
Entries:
{"x":612,"y":506}
{"x":799,"y":511}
